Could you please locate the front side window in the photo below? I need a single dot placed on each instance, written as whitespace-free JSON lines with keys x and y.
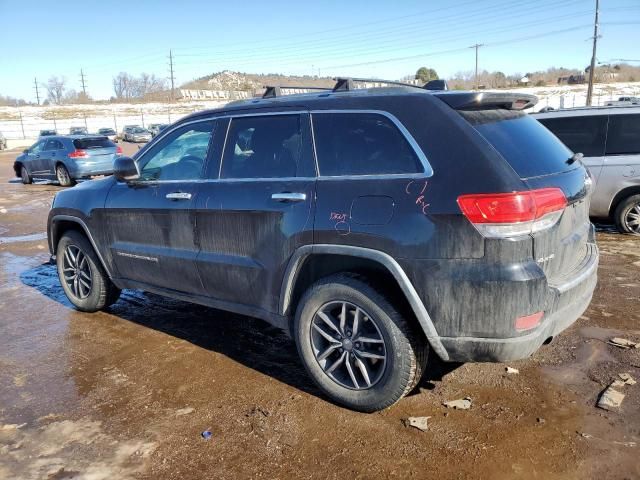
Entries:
{"x":263,"y":147}
{"x":53,"y":145}
{"x":180,"y":155}
{"x":361,"y":144}
{"x":624,"y":135}
{"x":37,"y":148}
{"x":582,"y":134}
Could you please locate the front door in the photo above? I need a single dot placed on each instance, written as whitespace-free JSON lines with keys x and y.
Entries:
{"x":36,"y":160}
{"x":257,"y":208}
{"x":150,"y":220}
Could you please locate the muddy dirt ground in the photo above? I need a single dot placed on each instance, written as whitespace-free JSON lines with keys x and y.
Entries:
{"x":126,"y":393}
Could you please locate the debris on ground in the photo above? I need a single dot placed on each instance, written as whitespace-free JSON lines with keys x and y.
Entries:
{"x":417,"y":422}
{"x":624,"y":343}
{"x":611,"y":399}
{"x":586,"y":435}
{"x":627,"y":379}
{"x":206,"y":434}
{"x":12,"y":426}
{"x":184,"y":411}
{"x":511,"y":370}
{"x":541,"y":420}
{"x":461,"y":404}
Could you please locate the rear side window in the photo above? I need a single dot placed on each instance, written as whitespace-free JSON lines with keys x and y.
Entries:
{"x":53,"y":145}
{"x":624,"y":135}
{"x":263,"y":147}
{"x":361,"y":144}
{"x":582,"y":134}
{"x":525,"y":144}
{"x":91,"y":143}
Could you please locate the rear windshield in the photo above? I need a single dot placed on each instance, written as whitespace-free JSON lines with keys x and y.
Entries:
{"x":106,"y":131}
{"x":530,"y":149}
{"x":90,"y":143}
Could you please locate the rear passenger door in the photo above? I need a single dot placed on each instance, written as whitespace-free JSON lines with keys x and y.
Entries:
{"x":52,"y":152}
{"x":372,"y":184}
{"x":622,"y":157}
{"x":256,"y":209}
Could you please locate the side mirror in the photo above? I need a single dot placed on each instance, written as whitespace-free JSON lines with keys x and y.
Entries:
{"x":26,"y":150}
{"x":125,"y":169}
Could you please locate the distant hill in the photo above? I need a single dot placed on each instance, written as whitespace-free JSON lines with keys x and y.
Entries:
{"x":250,"y":82}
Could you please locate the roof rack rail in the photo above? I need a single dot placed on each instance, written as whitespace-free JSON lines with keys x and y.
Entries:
{"x":347,"y":83}
{"x":276,"y":91}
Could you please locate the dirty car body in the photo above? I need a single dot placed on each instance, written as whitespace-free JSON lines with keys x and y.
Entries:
{"x":457,"y":207}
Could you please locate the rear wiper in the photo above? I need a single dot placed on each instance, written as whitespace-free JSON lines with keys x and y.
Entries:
{"x":575,"y":157}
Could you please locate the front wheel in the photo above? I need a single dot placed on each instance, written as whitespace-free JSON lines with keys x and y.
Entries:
{"x":627,"y":215}
{"x":83,"y":279}
{"x":24,"y":175}
{"x":356,"y":346}
{"x":62,"y":174}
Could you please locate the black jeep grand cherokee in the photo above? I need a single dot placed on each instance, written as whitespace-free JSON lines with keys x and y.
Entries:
{"x":371,"y":224}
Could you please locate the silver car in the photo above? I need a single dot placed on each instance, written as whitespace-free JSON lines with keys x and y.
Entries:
{"x":137,"y":134}
{"x":609,"y":139}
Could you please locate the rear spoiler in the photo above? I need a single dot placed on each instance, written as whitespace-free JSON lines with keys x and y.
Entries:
{"x":487,"y":100}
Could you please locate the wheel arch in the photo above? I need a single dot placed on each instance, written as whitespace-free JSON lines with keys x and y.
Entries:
{"x":60,"y":224}
{"x":620,"y":196}
{"x":312,"y":262}
{"x":17,"y":167}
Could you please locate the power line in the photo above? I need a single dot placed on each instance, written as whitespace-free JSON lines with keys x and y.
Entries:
{"x":593,"y":55}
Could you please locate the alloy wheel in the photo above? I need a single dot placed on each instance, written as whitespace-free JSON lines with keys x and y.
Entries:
{"x":632,"y":218}
{"x":348,"y":345}
{"x":77,"y":272}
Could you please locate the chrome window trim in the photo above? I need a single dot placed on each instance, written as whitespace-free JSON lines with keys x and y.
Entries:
{"x":428,"y":170}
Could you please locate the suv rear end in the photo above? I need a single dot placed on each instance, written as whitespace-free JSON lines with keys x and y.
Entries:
{"x":90,"y":156}
{"x":538,"y":271}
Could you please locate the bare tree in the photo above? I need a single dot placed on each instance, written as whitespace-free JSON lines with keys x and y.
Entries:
{"x":127,"y":87}
{"x":55,"y":89}
{"x":122,"y":84}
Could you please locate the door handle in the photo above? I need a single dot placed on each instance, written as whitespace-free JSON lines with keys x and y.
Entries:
{"x":179,"y":196}
{"x":289,"y":197}
{"x":37,"y":156}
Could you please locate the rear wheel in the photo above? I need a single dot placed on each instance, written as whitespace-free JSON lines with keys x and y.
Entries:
{"x":24,"y":175}
{"x":62,"y":174}
{"x":83,"y":279}
{"x":356,"y":346}
{"x":627,"y":215}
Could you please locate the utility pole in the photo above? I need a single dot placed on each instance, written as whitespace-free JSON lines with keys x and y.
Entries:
{"x":476,"y":46}
{"x":593,"y":55}
{"x":35,"y":85}
{"x":172,"y":78}
{"x":84,"y":87}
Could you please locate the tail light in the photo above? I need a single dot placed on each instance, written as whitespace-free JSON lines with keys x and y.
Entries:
{"x":529,"y":321}
{"x":501,"y":215}
{"x":118,"y":150}
{"x":78,"y":154}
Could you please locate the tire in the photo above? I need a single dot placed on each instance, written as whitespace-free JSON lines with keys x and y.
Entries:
{"x":62,"y":174}
{"x":403,"y":349}
{"x":24,"y":175}
{"x":627,"y":215}
{"x":94,"y":290}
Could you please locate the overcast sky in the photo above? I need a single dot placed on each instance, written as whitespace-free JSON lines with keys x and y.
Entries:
{"x":372,"y":38}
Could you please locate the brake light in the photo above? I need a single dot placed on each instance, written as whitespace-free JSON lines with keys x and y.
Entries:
{"x":500,"y":215}
{"x":118,"y":150}
{"x":78,"y":154}
{"x":528,"y":322}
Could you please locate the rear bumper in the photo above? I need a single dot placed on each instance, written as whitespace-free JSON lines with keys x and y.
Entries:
{"x":565,"y":304}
